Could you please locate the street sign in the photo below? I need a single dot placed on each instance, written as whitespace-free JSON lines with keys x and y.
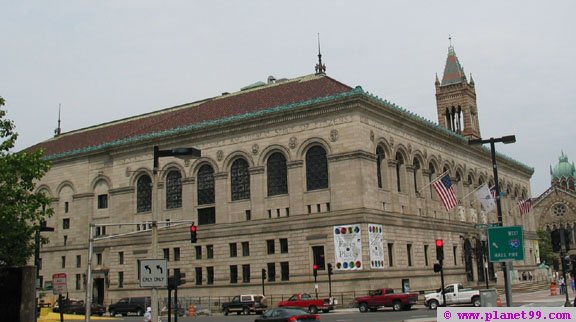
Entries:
{"x":485,"y":226}
{"x":153,"y":273}
{"x":505,"y":244}
{"x":59,"y":283}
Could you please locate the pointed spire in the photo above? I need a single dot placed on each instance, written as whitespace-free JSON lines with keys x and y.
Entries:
{"x":58,"y":130}
{"x":320,"y":68}
{"x":453,"y":71}
{"x":437,"y":82}
{"x":471,"y":80}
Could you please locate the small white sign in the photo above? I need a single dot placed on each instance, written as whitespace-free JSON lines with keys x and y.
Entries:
{"x":153,"y":273}
{"x":59,"y":283}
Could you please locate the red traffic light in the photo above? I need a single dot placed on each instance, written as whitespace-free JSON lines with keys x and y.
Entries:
{"x":193,"y":234}
{"x":315,"y":267}
{"x":439,"y":243}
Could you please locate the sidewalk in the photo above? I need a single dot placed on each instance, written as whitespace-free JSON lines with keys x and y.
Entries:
{"x":542,"y":296}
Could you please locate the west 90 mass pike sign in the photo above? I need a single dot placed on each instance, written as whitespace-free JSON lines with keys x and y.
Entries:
{"x":505,"y":244}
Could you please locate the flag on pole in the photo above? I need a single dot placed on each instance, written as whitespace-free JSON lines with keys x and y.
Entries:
{"x":445,"y":190}
{"x":486,"y":198}
{"x":525,"y":206}
{"x":493,"y":192}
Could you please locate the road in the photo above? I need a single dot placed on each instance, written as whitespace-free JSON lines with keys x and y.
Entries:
{"x":533,"y":299}
{"x":339,"y":316}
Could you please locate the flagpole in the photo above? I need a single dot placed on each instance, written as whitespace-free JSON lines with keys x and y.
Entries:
{"x":477,"y":188}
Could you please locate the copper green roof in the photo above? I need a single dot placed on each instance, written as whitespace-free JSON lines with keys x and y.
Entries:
{"x":563,"y":169}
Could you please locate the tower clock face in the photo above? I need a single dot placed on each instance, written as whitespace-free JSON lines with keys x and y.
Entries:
{"x":559,"y":209}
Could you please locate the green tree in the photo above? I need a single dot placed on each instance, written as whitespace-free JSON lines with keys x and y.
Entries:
{"x":545,"y":246}
{"x":21,"y":208}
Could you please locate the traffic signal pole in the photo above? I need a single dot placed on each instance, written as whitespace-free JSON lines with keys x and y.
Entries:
{"x":440,"y":257}
{"x":263,"y":279}
{"x":329,"y":280}
{"x":442,"y":282}
{"x":315,"y":273}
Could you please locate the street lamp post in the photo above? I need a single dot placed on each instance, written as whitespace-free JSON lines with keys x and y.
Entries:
{"x":178,"y":152}
{"x":37,"y":241}
{"x":506,"y":140}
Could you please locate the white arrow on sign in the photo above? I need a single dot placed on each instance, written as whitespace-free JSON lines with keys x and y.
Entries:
{"x":153,"y":273}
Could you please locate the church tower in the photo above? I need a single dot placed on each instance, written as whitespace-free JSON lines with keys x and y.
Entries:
{"x":456,"y":99}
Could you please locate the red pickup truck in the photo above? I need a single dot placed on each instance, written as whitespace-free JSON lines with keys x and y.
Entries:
{"x":306,"y":302}
{"x":385,"y":297}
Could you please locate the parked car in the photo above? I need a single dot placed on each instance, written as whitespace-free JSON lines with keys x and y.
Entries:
{"x":385,"y":297}
{"x":247,"y":303}
{"x":455,"y":294}
{"x":78,"y":307}
{"x":286,"y":314}
{"x":128,"y":305}
{"x":307,"y":302}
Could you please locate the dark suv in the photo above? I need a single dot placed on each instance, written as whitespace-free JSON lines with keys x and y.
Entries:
{"x":245,"y":304}
{"x":127,"y":305}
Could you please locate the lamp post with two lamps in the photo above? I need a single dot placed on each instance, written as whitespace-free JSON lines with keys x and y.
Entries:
{"x":506,"y":140}
{"x":179,"y":153}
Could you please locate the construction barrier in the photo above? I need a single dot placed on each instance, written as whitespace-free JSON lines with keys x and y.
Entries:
{"x":191,"y":310}
{"x":553,"y":289}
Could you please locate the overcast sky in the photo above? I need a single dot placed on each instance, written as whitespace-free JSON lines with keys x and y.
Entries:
{"x":110,"y":59}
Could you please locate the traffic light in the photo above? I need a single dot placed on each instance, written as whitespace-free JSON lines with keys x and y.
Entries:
{"x":556,"y":240}
{"x":567,"y":239}
{"x":193,"y":232}
{"x":437,"y":268}
{"x":263,"y":274}
{"x":315,"y":270}
{"x":439,"y":249}
{"x":330,"y":272}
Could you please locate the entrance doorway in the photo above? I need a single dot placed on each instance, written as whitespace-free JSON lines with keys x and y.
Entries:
{"x":98,"y":291}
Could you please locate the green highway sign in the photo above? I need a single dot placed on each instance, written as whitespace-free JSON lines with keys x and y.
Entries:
{"x":505,"y":244}
{"x":485,"y":226}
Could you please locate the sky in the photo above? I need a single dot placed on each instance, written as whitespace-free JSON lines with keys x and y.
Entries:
{"x":111,"y":59}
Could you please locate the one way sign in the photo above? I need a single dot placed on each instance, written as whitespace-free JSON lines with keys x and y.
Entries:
{"x":153,"y":273}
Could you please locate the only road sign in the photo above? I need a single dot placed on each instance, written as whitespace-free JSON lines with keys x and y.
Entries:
{"x":153,"y":273}
{"x":505,"y":244}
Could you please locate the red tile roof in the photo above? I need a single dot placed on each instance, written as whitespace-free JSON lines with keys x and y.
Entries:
{"x":278,"y":94}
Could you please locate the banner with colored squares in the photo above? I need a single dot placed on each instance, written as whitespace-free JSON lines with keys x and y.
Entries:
{"x":348,"y":247}
{"x":376,"y":243}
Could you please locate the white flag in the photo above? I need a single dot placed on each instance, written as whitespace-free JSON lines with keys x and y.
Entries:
{"x":485,"y":198}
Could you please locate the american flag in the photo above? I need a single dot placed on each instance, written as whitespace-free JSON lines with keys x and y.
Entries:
{"x":446,"y":191}
{"x":525,"y":206}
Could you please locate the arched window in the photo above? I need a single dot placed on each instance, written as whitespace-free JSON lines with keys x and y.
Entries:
{"x":316,"y":168}
{"x":399,"y":170}
{"x":417,"y":174}
{"x":379,"y":159}
{"x":144,"y":194}
{"x":173,"y":190}
{"x":240,"y":180}
{"x":277,"y":174}
{"x":205,"y":179}
{"x":431,"y":177}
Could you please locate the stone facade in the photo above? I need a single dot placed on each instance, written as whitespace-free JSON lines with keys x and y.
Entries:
{"x":360,"y":134}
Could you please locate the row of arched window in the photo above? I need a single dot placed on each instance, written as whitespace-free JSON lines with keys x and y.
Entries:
{"x":399,"y":168}
{"x":277,"y":180}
